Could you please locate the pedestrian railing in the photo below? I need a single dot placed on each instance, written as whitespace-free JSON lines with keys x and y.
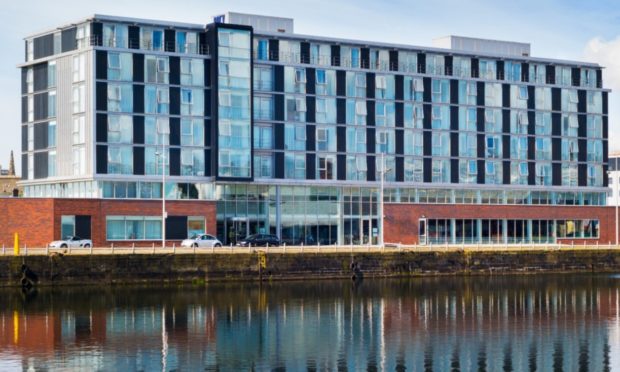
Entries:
{"x":297,"y":249}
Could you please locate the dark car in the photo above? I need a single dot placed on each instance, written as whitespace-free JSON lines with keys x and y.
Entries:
{"x":259,"y":240}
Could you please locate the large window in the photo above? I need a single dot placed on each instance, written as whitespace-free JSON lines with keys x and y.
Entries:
{"x":120,"y":97}
{"x":120,"y":129}
{"x":157,"y":69}
{"x":133,"y":228}
{"x":192,"y":72}
{"x":120,"y":66}
{"x":114,"y":35}
{"x":120,"y":160}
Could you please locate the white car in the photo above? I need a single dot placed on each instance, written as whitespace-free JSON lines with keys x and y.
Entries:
{"x":72,"y":242}
{"x":202,"y":241}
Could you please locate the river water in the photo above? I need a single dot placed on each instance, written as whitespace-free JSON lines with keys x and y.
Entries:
{"x":519,"y":323}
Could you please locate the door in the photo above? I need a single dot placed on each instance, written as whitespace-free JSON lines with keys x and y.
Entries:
{"x":422,"y":231}
{"x":366,"y":231}
{"x":238,"y":229}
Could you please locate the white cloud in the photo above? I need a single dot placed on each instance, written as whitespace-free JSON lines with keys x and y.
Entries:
{"x":607,"y":54}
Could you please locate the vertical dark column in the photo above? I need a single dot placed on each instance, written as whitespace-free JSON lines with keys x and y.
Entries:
{"x":365,"y":58}
{"x":24,"y":141}
{"x":499,"y":73}
{"x":531,"y":97}
{"x":335,"y":52}
{"x":170,"y":40}
{"x":481,"y":176}
{"x":341,"y":167}
{"x":341,"y":83}
{"x":138,"y":67}
{"x":525,"y":72}
{"x":427,"y":89}
{"x":400,"y":142}
{"x":310,"y":80}
{"x":102,"y":159}
{"x":341,"y":110}
{"x":371,"y":168}
{"x":274,"y":50}
{"x":454,"y":91}
{"x":400,"y":169}
{"x":399,"y":111}
{"x":448,"y":66}
{"x":310,"y":137}
{"x":133,"y":37}
{"x":138,"y":160}
{"x":370,"y":85}
{"x":278,"y":78}
{"x":102,"y":128}
{"x":427,"y":170}
{"x":310,"y":166}
{"x":310,"y":109}
{"x":101,"y":64}
{"x":175,"y":161}
{"x":556,"y":99}
{"x":175,"y":70}
{"x":341,"y":139}
{"x":370,"y":117}
{"x":393,"y":60}
{"x":506,"y":95}
{"x":138,"y":98}
{"x":304,"y":52}
{"x":575,"y":76}
{"x":40,"y":165}
{"x":175,"y":100}
{"x":550,"y":74}
{"x":138,"y":129}
{"x":175,"y":132}
{"x":506,"y":172}
{"x":582,"y":174}
{"x":454,"y":170}
{"x":475,"y":67}
{"x":399,"y":87}
{"x":421,"y":63}
{"x":96,"y":33}
{"x":480,"y":93}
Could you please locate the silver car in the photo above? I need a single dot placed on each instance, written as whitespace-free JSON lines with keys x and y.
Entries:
{"x":202,"y":241}
{"x":73,"y":242}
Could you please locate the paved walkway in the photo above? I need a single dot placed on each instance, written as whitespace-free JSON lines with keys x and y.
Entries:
{"x":303,"y":249}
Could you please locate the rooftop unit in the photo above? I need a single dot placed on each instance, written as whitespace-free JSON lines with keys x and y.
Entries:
{"x":484,"y":46}
{"x":258,"y":22}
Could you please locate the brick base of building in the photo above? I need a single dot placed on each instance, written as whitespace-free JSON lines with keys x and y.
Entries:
{"x":37,"y":221}
{"x":402,"y":220}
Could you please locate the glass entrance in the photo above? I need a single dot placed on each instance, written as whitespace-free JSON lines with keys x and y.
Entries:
{"x":422,"y":231}
{"x":237,"y":229}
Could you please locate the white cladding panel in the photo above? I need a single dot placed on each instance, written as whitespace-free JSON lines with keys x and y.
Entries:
{"x":261,"y":23}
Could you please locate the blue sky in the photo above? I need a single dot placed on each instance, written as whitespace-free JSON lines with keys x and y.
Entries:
{"x":570,"y":29}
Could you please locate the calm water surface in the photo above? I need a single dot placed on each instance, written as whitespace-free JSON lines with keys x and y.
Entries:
{"x":526,"y":323}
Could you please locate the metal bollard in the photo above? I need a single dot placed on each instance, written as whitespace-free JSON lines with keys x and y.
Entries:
{"x":153,"y":248}
{"x":174,"y":248}
{"x":112,"y":248}
{"x":133,"y":248}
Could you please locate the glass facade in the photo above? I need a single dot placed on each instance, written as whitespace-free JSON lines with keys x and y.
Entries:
{"x":234,"y":103}
{"x":310,"y":121}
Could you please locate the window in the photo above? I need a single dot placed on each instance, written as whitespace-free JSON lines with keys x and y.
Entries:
{"x":543,"y":148}
{"x":440,"y":171}
{"x":595,"y":128}
{"x":326,"y":167}
{"x":325,"y":110}
{"x":295,"y":137}
{"x":518,"y":147}
{"x":192,"y":162}
{"x":137,"y":227}
{"x":294,"y":80}
{"x":468,"y":145}
{"x":51,"y":104}
{"x":543,"y":123}
{"x":79,"y":161}
{"x":120,"y":129}
{"x":262,"y":49}
{"x":493,"y":94}
{"x":263,"y":107}
{"x":79,"y":98}
{"x":114,"y":36}
{"x":156,"y":99}
{"x":570,"y":125}
{"x":263,"y":166}
{"x":440,"y":144}
{"x":488,"y":69}
{"x":51,"y":134}
{"x":542,"y":98}
{"x":51,"y":74}
{"x":295,"y":109}
{"x":79,"y":68}
{"x":157,"y":69}
{"x":493,"y":149}
{"x":440,"y":90}
{"x":192,"y":132}
{"x":493,"y":173}
{"x":152,"y":39}
{"x":440,"y":117}
{"x":120,"y":160}
{"x":294,"y":166}
{"x":187,"y":42}
{"x":79,"y":129}
{"x":263,"y":78}
{"x":263,"y":137}
{"x":356,"y":84}
{"x":192,"y":103}
{"x":192,"y":72}
{"x":120,"y":97}
{"x":468,"y":171}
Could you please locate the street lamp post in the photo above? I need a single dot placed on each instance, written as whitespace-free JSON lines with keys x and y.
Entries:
{"x":614,"y":192}
{"x":164,"y":214}
{"x":381,"y":202}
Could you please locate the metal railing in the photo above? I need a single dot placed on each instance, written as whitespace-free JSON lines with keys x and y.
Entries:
{"x":231,"y":249}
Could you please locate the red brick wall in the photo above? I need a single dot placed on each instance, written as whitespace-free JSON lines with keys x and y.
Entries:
{"x":401,"y":220}
{"x":37,"y":220}
{"x":31,"y":219}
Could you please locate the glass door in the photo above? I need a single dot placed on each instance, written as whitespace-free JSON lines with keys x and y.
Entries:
{"x":422,"y":231}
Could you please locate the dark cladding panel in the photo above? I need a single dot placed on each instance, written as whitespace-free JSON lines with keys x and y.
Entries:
{"x":138,"y":98}
{"x":68,"y":39}
{"x":102,"y":96}
{"x":101,"y":64}
{"x":102,"y":128}
{"x":175,"y":162}
{"x":170,"y":41}
{"x":335,"y":49}
{"x":43,"y":46}
{"x":40,"y":76}
{"x":175,"y":70}
{"x":274,"y":50}
{"x":310,"y":166}
{"x":83,"y":227}
{"x":138,"y":67}
{"x":138,"y":129}
{"x":40,"y":165}
{"x":175,"y":131}
{"x":40,"y":136}
{"x":102,"y":159}
{"x":138,"y":160}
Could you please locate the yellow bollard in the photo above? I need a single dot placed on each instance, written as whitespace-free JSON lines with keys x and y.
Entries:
{"x":16,"y":245}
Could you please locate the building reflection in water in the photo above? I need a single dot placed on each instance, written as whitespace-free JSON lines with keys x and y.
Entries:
{"x":484,"y":324}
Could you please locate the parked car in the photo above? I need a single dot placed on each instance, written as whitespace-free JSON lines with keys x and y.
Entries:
{"x":202,"y":241}
{"x":259,"y":240}
{"x":72,"y":242}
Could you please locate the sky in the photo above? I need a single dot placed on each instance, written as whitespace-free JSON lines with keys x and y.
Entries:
{"x":564,"y":29}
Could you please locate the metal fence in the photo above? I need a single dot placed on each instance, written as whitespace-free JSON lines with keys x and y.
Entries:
{"x":309,"y":249}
